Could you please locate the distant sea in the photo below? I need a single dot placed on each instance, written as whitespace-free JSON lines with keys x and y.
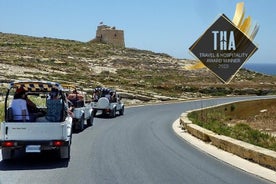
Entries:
{"x":265,"y":68}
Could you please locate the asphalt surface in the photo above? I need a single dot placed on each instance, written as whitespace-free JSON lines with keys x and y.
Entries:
{"x":138,"y":147}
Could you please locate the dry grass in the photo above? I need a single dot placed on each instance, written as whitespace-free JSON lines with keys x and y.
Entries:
{"x":260,"y":115}
{"x":252,"y":121}
{"x":92,"y":64}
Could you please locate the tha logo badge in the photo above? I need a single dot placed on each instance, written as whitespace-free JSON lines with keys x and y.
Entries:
{"x":226,"y":45}
{"x":223,"y":48}
{"x":224,"y":40}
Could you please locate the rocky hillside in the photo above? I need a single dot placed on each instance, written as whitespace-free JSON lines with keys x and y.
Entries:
{"x":138,"y":74}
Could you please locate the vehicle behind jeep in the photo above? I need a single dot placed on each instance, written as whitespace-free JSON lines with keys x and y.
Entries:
{"x":82,"y":109}
{"x":107,"y":101}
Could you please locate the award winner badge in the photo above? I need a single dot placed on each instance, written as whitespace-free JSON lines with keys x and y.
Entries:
{"x":226,"y":45}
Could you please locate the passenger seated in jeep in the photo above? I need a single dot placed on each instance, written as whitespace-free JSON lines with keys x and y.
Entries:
{"x":96,"y":96}
{"x":19,"y":106}
{"x":113,"y":96}
{"x":56,"y":108}
{"x":23,"y":109}
{"x":76,"y":98}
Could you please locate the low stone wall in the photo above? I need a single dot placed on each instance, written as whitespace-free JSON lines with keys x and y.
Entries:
{"x":245,"y":150}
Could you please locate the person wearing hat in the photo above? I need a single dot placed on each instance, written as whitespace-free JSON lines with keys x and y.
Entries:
{"x":19,"y":106}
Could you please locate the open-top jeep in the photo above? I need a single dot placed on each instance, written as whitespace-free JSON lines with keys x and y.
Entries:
{"x":44,"y":124}
{"x":107,"y":101}
{"x":82,"y":110}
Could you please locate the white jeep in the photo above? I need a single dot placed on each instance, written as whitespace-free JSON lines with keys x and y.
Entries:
{"x":107,"y":101}
{"x":82,"y":111}
{"x":20,"y":132}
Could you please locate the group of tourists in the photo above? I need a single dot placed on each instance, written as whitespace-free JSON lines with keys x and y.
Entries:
{"x":23,"y":109}
{"x":104,"y":92}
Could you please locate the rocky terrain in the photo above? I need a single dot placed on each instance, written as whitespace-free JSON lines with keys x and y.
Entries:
{"x":139,"y":75}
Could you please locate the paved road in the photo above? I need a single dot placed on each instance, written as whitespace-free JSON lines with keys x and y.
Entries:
{"x":139,"y":147}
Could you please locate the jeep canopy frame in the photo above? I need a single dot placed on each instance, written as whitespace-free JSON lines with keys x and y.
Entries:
{"x":33,"y":87}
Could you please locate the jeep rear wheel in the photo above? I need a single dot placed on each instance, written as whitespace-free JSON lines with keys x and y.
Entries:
{"x":121,"y":112}
{"x":113,"y":113}
{"x":6,"y":154}
{"x":90,"y":121}
{"x":65,"y":152}
{"x":80,"y":124}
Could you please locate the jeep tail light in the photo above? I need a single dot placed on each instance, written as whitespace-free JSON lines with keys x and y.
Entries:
{"x":57,"y":143}
{"x":8,"y":144}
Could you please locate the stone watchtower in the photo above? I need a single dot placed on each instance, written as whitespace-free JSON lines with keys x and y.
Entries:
{"x":110,"y":35}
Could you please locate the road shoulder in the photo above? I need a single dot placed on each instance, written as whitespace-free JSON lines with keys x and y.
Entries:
{"x":224,"y":156}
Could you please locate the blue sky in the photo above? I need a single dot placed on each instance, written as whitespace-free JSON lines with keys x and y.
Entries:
{"x":158,"y":25}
